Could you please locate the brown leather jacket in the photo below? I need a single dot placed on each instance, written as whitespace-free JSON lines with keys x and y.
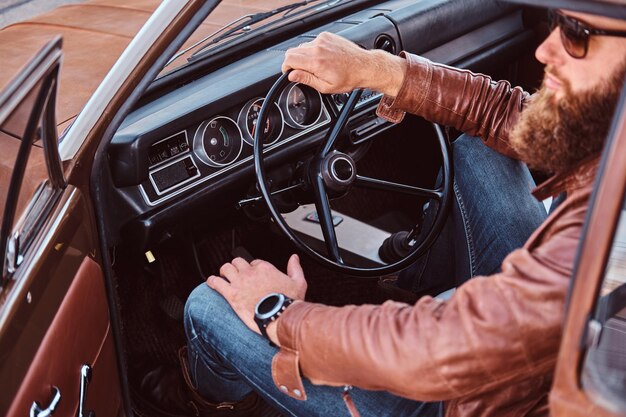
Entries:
{"x":491,"y":349}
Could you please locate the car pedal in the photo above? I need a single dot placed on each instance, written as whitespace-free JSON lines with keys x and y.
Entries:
{"x":241,"y":252}
{"x":173,"y":307}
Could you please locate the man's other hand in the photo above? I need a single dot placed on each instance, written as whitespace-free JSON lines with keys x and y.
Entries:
{"x":332,"y":64}
{"x":243,"y":284}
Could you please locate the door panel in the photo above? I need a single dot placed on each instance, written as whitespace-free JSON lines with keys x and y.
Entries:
{"x":54,"y":314}
{"x":52,"y":281}
{"x":79,"y":334}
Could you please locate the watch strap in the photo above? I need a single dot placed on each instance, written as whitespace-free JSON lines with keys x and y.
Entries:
{"x":263,"y":323}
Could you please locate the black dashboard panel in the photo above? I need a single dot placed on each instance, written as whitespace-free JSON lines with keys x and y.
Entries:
{"x":221,"y":144}
{"x":451,"y":19}
{"x":157,"y":161}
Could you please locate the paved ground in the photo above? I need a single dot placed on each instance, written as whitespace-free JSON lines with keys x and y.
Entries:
{"x":15,"y":10}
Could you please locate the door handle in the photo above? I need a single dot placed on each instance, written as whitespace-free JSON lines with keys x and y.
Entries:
{"x":37,"y":411}
{"x":85,"y":379}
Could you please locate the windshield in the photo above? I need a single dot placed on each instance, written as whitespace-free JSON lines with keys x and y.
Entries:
{"x":233,"y":20}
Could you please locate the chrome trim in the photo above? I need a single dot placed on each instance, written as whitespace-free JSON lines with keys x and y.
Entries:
{"x":242,"y":119}
{"x":158,"y":164}
{"x":334,"y":173}
{"x":37,"y":411}
{"x":234,"y":165}
{"x":26,"y":227}
{"x":85,"y":379}
{"x":200,"y":152}
{"x":361,"y":102}
{"x":13,"y":256}
{"x":282,"y":100}
{"x":123,"y":68}
{"x":172,"y":162}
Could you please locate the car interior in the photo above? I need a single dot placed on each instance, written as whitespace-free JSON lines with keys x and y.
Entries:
{"x":177,"y":191}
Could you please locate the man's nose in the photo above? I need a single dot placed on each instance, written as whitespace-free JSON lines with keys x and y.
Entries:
{"x":551,"y":51}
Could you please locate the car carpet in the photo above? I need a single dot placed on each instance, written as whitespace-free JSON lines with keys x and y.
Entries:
{"x":151,"y":295}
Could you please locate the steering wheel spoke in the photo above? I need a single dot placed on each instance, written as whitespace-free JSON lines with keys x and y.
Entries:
{"x":325,"y":216}
{"x":340,"y":124}
{"x":335,"y":172}
{"x":376,"y":184}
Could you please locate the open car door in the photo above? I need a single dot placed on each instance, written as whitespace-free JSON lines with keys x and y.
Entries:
{"x":590,"y":378}
{"x":57,"y":355}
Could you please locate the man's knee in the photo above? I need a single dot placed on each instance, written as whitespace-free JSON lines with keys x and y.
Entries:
{"x":482,"y":170}
{"x":471,"y":153}
{"x":205,"y":311}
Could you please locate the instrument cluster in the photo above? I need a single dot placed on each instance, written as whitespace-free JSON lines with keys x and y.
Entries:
{"x":224,"y":141}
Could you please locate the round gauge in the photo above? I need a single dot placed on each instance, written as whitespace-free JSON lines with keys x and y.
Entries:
{"x":302,"y":105}
{"x":218,"y":142}
{"x":248,"y":118}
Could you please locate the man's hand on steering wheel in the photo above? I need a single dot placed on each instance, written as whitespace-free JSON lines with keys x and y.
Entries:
{"x":332,"y":64}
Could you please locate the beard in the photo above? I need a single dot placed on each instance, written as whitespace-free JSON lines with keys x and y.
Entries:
{"x":553,"y":136}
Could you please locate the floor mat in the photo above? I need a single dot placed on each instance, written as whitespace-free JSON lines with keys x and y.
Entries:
{"x":149,"y":292}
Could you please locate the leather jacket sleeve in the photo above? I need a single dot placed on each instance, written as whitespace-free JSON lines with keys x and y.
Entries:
{"x":498,"y":329}
{"x":471,"y":103}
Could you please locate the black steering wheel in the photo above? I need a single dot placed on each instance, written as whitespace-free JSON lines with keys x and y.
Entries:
{"x":331,"y":170}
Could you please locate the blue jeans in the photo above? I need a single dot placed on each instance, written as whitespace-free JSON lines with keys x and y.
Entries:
{"x":492,"y":207}
{"x":493,"y":213}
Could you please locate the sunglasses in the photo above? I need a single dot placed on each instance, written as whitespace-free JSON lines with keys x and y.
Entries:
{"x":575,"y":34}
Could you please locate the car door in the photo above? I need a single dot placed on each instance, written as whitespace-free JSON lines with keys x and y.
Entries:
{"x":57,"y":354}
{"x":590,"y":378}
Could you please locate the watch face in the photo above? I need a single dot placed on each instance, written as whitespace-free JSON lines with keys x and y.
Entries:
{"x":269,"y":305}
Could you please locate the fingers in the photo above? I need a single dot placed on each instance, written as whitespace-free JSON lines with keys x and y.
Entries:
{"x":240,"y":263}
{"x":220,"y":285}
{"x":303,"y":77}
{"x":228,"y":270}
{"x":233,"y":267}
{"x":294,"y":269}
{"x":298,"y":58}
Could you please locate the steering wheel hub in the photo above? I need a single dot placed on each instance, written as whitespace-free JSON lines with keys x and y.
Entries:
{"x":338,"y":171}
{"x":332,"y":174}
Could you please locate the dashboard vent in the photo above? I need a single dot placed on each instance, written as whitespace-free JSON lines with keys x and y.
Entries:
{"x":386,"y":43}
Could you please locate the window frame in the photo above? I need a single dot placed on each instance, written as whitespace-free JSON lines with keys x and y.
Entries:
{"x":17,"y":237}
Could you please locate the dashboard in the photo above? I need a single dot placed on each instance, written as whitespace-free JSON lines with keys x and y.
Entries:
{"x":194,"y":142}
{"x":223,"y":142}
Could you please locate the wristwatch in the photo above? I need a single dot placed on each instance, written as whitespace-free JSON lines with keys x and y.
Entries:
{"x":268,"y":309}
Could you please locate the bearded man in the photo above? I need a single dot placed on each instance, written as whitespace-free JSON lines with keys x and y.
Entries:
{"x":491,"y":348}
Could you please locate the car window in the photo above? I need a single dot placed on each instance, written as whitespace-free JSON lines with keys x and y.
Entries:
{"x":232,"y":20}
{"x":31,"y":176}
{"x":11,"y":134}
{"x":604,"y":370}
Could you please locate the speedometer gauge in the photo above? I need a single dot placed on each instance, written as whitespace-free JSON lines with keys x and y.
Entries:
{"x":218,"y":142}
{"x":302,"y":105}
{"x":248,"y":122}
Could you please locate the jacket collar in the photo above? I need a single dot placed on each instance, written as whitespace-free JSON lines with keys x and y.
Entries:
{"x":578,"y":176}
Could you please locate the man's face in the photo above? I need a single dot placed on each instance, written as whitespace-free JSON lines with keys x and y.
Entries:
{"x":605,"y":55}
{"x":569,"y":117}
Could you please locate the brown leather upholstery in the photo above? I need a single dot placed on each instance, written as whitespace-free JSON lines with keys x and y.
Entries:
{"x":80,"y":334}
